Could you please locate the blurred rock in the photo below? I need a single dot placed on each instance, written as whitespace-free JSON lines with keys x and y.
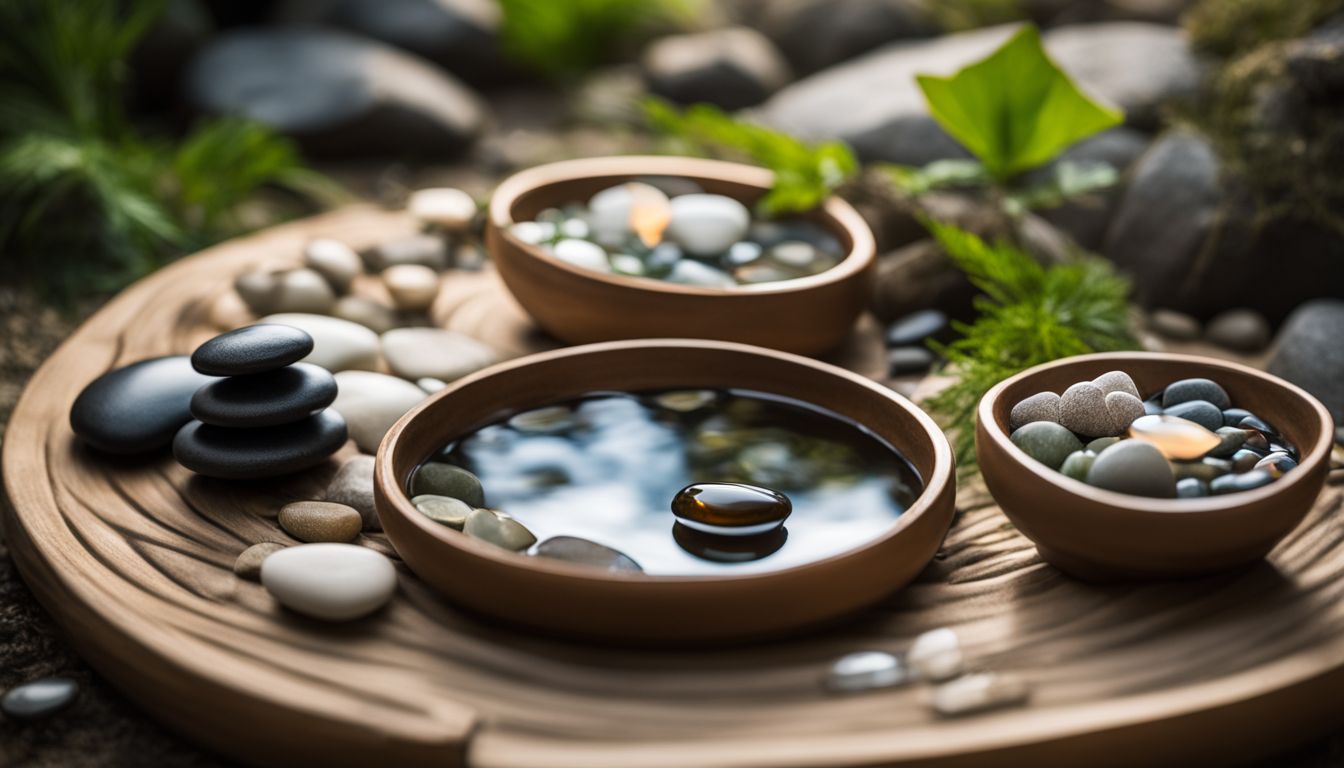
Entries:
{"x":732,"y":68}
{"x":335,"y":93}
{"x":1244,"y":330}
{"x":815,"y":34}
{"x":875,"y":104}
{"x":461,"y":36}
{"x":1058,"y":12}
{"x":1309,"y":352}
{"x":1085,"y":218}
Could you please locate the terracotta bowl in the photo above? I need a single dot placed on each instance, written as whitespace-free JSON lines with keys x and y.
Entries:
{"x":575,"y":600}
{"x":1102,"y":535}
{"x":807,"y":315}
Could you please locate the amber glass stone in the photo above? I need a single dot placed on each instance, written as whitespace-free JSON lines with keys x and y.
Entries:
{"x":730,"y":509}
{"x":1175,"y":437}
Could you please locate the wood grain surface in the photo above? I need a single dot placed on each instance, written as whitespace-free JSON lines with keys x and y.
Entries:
{"x":134,"y":561}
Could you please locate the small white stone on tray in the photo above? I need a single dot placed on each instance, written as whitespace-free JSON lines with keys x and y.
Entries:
{"x":936,"y":655}
{"x":334,"y":582}
{"x":866,"y":670}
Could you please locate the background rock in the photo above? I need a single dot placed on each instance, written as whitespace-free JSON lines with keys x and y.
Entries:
{"x":1085,"y":219}
{"x":819,"y":33}
{"x":732,"y":68}
{"x":1310,"y":352}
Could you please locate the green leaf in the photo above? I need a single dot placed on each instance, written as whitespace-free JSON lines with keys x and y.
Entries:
{"x":940,"y":174}
{"x":1069,"y":181}
{"x":1015,"y":109}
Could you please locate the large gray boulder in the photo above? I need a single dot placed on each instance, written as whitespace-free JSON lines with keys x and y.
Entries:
{"x":732,"y":68}
{"x":815,"y":34}
{"x":335,"y":93}
{"x":875,"y":104}
{"x":1310,"y":352}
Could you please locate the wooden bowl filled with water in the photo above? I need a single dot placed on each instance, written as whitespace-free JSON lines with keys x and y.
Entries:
{"x":594,"y":442}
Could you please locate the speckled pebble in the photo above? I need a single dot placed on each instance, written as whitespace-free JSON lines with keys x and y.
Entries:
{"x":248,"y":564}
{"x":1123,"y":409}
{"x":314,"y":521}
{"x":1042,"y":406}
{"x":1117,"y":381}
{"x":1082,"y":409}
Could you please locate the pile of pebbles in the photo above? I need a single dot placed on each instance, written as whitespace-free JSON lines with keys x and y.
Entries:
{"x":667,"y":228}
{"x":1186,"y":441}
{"x":937,"y":659}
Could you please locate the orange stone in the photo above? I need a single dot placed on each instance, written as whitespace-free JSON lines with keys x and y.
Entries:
{"x":1176,"y":438}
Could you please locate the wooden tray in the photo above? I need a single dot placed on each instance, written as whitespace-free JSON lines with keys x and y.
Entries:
{"x":135,"y":562}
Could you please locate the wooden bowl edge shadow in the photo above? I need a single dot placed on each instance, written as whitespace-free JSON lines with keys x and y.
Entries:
{"x":576,"y":601}
{"x":1108,"y":535}
{"x":807,"y":315}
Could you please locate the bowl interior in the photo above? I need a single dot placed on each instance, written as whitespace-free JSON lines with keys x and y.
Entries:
{"x":647,"y":365}
{"x":1299,"y":417}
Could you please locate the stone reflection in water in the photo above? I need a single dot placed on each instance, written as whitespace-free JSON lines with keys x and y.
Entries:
{"x":605,"y":467}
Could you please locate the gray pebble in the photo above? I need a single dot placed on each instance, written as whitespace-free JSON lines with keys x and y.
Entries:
{"x":1077,"y":465}
{"x":1042,"y":406}
{"x":39,"y":698}
{"x":1233,"y":416}
{"x":439,"y":479}
{"x":373,"y":315}
{"x":1204,"y":469}
{"x":1101,"y":444}
{"x":1244,"y":481}
{"x":426,"y":250}
{"x":1134,"y":467}
{"x":1241,"y":329}
{"x":1174,"y":325}
{"x":1046,"y":442}
{"x":1232,"y":440}
{"x":353,"y":486}
{"x":1186,"y":390}
{"x":1123,"y":409}
{"x":1202,"y":412}
{"x":907,"y":360}
{"x":573,"y":549}
{"x":1082,"y":409}
{"x":1245,"y":460}
{"x":248,"y":564}
{"x":1117,"y":381}
{"x":1191,"y":488}
{"x":443,"y":509}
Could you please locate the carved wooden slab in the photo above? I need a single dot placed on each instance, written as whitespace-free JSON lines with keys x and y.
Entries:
{"x":135,"y":560}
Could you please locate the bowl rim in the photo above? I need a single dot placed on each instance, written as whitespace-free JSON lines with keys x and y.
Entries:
{"x":1208,"y":505}
{"x":386,"y":484}
{"x":861,"y":254}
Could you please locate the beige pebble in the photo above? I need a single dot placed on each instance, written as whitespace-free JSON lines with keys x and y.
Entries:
{"x":979,"y":692}
{"x":1123,"y":408}
{"x":248,"y":564}
{"x":418,"y":353}
{"x":371,"y":314}
{"x":444,"y":207}
{"x":1117,"y":381}
{"x":498,"y":529}
{"x":443,"y":509}
{"x":353,"y":486}
{"x":335,"y":261}
{"x":413,"y":287}
{"x":313,"y":521}
{"x":1082,"y":409}
{"x":292,"y":290}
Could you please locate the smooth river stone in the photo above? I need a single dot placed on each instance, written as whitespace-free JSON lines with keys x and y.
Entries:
{"x":1175,"y":437}
{"x":686,"y":400}
{"x":285,"y":290}
{"x":438,"y":479}
{"x":1083,"y":410}
{"x":689,"y":272}
{"x":40,"y":698}
{"x":263,"y":452}
{"x":314,"y":521}
{"x":1042,"y":406}
{"x":979,"y":692}
{"x":333,"y":582}
{"x":371,"y":403}
{"x":335,"y":261}
{"x":139,"y":407}
{"x":1276,"y":464}
{"x":1133,"y":467}
{"x":338,"y":345}
{"x":866,"y":671}
{"x":352,"y":485}
{"x":1186,"y":390}
{"x":936,"y":655}
{"x":413,"y":287}
{"x":582,"y":253}
{"x":252,"y":349}
{"x":1202,"y":412}
{"x":1046,"y":442}
{"x":547,"y":420}
{"x":609,"y":210}
{"x":444,"y":510}
{"x":447,"y":208}
{"x":1191,"y":488}
{"x":707,"y":225}
{"x":1244,"y":481}
{"x":731,"y":509}
{"x":248,"y":564}
{"x":728,"y":549}
{"x":498,"y":529}
{"x":265,"y":399}
{"x":573,"y":549}
{"x":1077,"y":465}
{"x":1233,"y":416}
{"x":418,"y":353}
{"x":1230,"y":441}
{"x":375,"y":316}
{"x":916,"y":328}
{"x":425,"y":250}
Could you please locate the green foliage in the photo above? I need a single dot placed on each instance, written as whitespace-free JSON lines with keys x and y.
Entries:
{"x":805,"y":174}
{"x":1029,"y":314}
{"x":86,"y":201}
{"x":1229,"y":27}
{"x":1015,"y":109}
{"x":1066,"y":181}
{"x":564,"y":38}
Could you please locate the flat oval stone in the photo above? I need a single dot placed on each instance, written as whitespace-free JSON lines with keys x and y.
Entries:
{"x":1186,"y":390}
{"x":1042,"y":406}
{"x":573,"y":549}
{"x":498,"y":529}
{"x":413,"y":287}
{"x":729,"y":549}
{"x":1232,"y":438}
{"x":1233,"y":416}
{"x":866,"y":671}
{"x":265,"y":399}
{"x":335,"y":261}
{"x":1046,"y":442}
{"x":375,"y":316}
{"x":1243,"y":481}
{"x":902,"y":361}
{"x":1276,"y":464}
{"x":417,"y":353}
{"x":314,"y":521}
{"x":1191,"y":488}
{"x":230,"y":453}
{"x":1245,"y":460}
{"x":1202,"y":412}
{"x":352,"y":485}
{"x":1259,"y":425}
{"x":252,"y":349}
{"x":248,"y":564}
{"x":434,"y":478}
{"x":338,"y":344}
{"x":40,"y":698}
{"x":444,"y":510}
{"x":334,"y":582}
{"x":936,"y":655}
{"x":707,"y":225}
{"x":425,"y":249}
{"x":916,"y":327}
{"x":731,"y":509}
{"x":448,"y":208}
{"x":138,"y":407}
{"x":1175,"y":437}
{"x":1134,"y":467}
{"x":371,"y":403}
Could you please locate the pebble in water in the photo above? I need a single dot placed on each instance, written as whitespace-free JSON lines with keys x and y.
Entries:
{"x":314,"y":521}
{"x":498,"y":529}
{"x":1243,"y":481}
{"x":582,"y":253}
{"x":1042,"y":406}
{"x":731,"y":509}
{"x":936,"y":655}
{"x":438,"y":479}
{"x":333,"y":582}
{"x":686,"y":400}
{"x":1134,"y":467}
{"x":729,"y":549}
{"x":865,"y":671}
{"x":688,"y":272}
{"x":248,"y":564}
{"x":1046,"y":442}
{"x":573,"y":549}
{"x":979,"y":692}
{"x":1175,"y":437}
{"x":707,"y":225}
{"x":444,"y":510}
{"x":40,"y":698}
{"x":542,"y":421}
{"x":612,"y":213}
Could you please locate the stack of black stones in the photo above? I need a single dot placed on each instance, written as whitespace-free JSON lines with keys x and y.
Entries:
{"x":267,"y":416}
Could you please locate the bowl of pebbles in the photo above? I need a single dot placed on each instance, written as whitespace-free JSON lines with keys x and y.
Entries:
{"x":1151,"y":465}
{"x":612,"y":248}
{"x":665,"y":491}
